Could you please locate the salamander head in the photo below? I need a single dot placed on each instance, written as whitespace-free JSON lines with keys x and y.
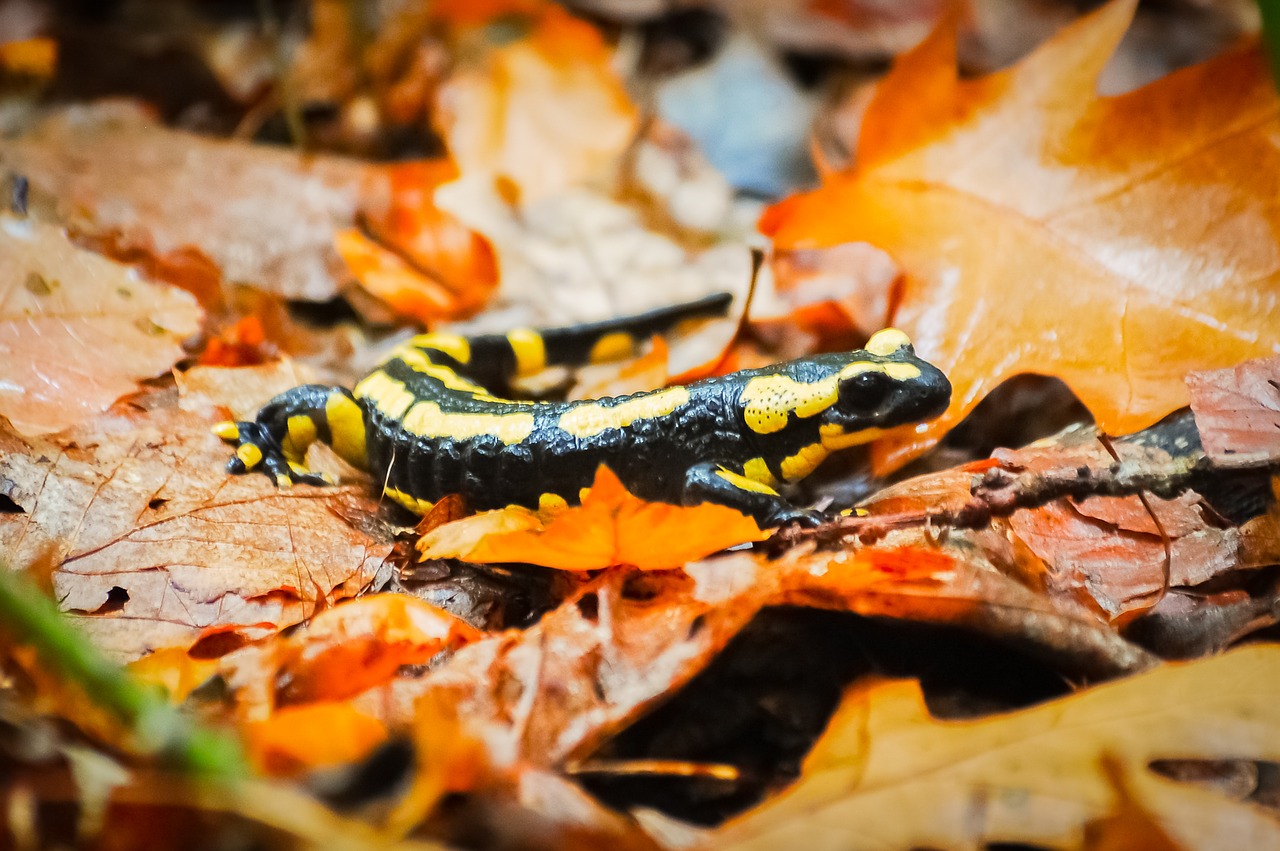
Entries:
{"x":883,"y":386}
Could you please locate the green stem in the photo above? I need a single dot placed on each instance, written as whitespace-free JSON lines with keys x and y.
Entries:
{"x":31,"y":618}
{"x":1270,"y":10}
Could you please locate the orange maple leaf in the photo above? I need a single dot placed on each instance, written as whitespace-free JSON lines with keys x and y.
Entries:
{"x":610,"y":527}
{"x":1114,"y":242}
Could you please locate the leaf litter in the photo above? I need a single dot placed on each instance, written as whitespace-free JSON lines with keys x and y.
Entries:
{"x":623,"y":682}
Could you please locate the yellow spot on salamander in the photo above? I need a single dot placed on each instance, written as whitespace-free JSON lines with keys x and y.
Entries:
{"x":458,"y":348}
{"x":419,"y":362}
{"x":901,"y":371}
{"x":743,"y":483}
{"x":249,"y":455}
{"x":426,"y":419}
{"x":530,"y":351}
{"x":757,"y":469}
{"x":767,"y":401}
{"x":552,"y":502}
{"x":417,"y":506}
{"x":614,"y":346}
{"x":300,"y":434}
{"x":887,"y":342}
{"x":346,"y":429}
{"x":804,"y":462}
{"x":389,"y":396}
{"x":227,"y":430}
{"x":835,"y":438}
{"x":588,"y":419}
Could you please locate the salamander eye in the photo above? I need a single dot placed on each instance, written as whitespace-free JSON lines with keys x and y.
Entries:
{"x":865,"y":391}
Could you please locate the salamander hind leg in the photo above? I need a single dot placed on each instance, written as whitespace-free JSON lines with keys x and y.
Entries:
{"x":276,"y":441}
{"x":711,"y":482}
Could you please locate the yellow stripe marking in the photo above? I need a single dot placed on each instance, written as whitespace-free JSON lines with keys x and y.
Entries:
{"x":417,"y":506}
{"x":804,"y":462}
{"x":301,"y":434}
{"x":530,"y":350}
{"x":458,"y":348}
{"x":901,"y":371}
{"x":743,"y":483}
{"x":591,"y":418}
{"x":613,"y":346}
{"x":419,"y":362}
{"x":834,"y":437}
{"x":389,"y":396}
{"x":346,"y":429}
{"x":757,"y":469}
{"x":887,"y":342}
{"x":426,"y":419}
{"x":249,"y":455}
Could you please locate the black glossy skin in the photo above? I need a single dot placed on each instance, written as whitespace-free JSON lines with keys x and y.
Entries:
{"x":673,"y":457}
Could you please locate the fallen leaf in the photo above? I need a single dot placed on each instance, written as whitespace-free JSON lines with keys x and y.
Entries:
{"x":1034,"y":777}
{"x":264,"y":215}
{"x":610,"y":527}
{"x":426,"y":265}
{"x":579,"y":256}
{"x":1237,"y":411}
{"x":355,"y":646}
{"x":545,"y":110}
{"x":77,"y":331}
{"x":1002,"y":195}
{"x":299,"y":738}
{"x":239,"y":390}
{"x":157,"y":546}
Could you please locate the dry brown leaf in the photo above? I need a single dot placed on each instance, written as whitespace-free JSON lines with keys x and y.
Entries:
{"x":77,"y":331}
{"x":158,"y":546}
{"x":887,"y":775}
{"x":1003,"y":195}
{"x":1237,"y":411}
{"x":266,"y":216}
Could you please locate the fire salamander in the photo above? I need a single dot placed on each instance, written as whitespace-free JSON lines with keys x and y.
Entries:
{"x":425,"y":424}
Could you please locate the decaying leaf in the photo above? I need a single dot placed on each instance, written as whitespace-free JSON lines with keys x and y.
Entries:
{"x":77,"y":331}
{"x":264,"y":215}
{"x":1003,"y":195}
{"x":157,"y":546}
{"x":1036,"y":777}
{"x":610,"y":527}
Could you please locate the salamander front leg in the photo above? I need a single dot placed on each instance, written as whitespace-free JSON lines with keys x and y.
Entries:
{"x":711,"y":482}
{"x":276,"y":441}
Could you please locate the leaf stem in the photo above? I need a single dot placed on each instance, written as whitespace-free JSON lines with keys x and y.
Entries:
{"x":30,"y":617}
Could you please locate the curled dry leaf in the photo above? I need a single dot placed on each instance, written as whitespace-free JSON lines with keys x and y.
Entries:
{"x":77,"y":331}
{"x":887,"y":774}
{"x":425,"y":264}
{"x":157,"y":546}
{"x":610,"y":527}
{"x":1002,"y":195}
{"x":264,"y":215}
{"x":358,"y":645}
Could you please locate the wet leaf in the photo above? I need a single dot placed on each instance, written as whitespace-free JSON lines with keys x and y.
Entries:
{"x":77,"y":331}
{"x":1000,"y":196}
{"x":610,"y":527}
{"x":264,"y":215}
{"x":1038,"y":776}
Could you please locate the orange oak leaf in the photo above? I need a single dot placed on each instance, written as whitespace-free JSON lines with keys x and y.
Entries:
{"x":610,"y":527}
{"x":156,"y":546}
{"x":77,"y":331}
{"x":1114,"y":242}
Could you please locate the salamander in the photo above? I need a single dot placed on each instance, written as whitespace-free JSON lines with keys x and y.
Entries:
{"x":430,"y":420}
